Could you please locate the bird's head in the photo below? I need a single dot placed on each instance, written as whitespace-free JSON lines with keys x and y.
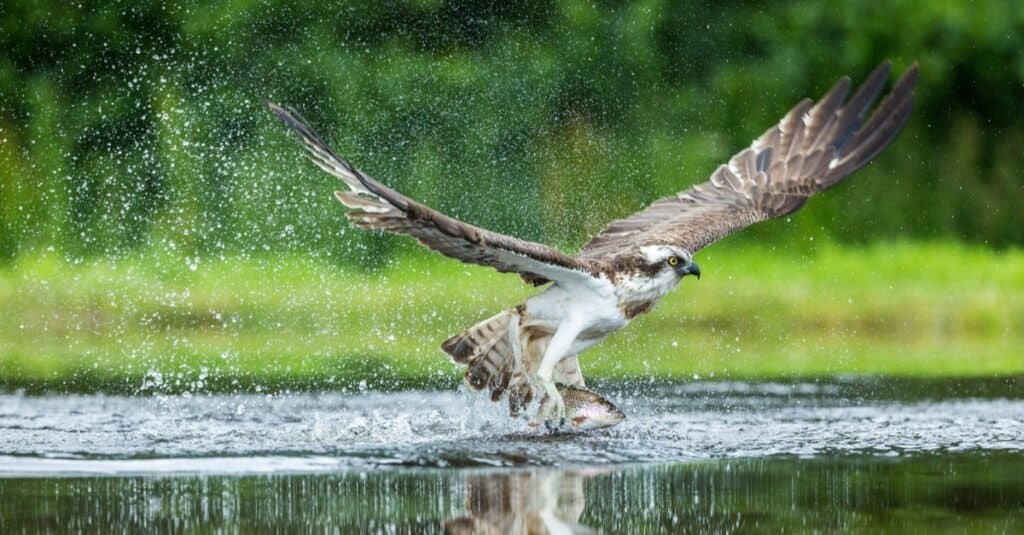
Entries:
{"x":667,"y":260}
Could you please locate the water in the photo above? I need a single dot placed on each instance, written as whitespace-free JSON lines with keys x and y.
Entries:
{"x":702,"y":456}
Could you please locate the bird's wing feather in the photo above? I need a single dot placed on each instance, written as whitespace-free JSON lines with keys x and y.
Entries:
{"x":375,"y":206}
{"x":811,"y":149}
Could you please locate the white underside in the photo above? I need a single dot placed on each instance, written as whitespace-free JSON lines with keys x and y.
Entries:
{"x":578,"y":315}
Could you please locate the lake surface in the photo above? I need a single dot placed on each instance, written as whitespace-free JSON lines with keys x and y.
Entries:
{"x":939,"y":456}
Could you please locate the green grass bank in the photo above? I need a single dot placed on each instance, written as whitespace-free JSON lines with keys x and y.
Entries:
{"x":155,"y":324}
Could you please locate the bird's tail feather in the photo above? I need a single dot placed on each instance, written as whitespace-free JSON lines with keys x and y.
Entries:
{"x":486,"y":350}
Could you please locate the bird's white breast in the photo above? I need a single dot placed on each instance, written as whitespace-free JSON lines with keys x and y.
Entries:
{"x":595,"y":304}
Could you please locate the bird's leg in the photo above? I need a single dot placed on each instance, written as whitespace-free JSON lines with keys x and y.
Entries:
{"x":553,"y":411}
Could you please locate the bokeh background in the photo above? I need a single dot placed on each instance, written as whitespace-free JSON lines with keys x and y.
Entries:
{"x":160,"y":230}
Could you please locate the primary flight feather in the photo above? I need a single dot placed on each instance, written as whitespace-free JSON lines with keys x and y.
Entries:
{"x":630,"y":265}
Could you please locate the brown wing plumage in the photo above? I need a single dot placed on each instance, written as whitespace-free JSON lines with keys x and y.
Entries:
{"x":375,"y":206}
{"x":811,"y":149}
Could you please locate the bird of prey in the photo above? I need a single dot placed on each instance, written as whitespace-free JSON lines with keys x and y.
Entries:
{"x":524,"y":351}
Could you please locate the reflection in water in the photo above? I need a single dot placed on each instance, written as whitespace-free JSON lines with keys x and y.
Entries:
{"x":950,"y":492}
{"x":533,"y":502}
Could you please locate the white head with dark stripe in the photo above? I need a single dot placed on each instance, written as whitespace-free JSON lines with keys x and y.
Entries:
{"x":667,"y":264}
{"x":653,"y":271}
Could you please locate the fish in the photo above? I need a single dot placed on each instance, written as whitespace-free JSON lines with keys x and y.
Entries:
{"x":584,"y":410}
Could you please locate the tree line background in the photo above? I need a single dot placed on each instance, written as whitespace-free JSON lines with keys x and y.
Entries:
{"x":130,"y":127}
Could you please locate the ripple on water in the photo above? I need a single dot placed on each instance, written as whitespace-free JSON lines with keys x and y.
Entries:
{"x":331,"y":431}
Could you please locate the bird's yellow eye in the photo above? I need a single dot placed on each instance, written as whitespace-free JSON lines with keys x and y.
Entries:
{"x":673,"y":260}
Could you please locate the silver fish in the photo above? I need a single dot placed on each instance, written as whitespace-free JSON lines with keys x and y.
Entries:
{"x":585,"y":410}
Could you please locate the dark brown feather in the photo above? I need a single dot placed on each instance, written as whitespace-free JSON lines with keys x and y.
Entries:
{"x":375,"y":206}
{"x":814,"y":147}
{"x":811,"y":149}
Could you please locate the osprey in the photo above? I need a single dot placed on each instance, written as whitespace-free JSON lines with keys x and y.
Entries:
{"x":629,"y":266}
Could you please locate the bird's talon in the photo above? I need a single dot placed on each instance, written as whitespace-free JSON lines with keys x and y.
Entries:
{"x":553,"y":427}
{"x":552,"y":409}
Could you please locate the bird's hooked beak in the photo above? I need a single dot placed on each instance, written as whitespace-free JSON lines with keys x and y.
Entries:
{"x":690,"y":269}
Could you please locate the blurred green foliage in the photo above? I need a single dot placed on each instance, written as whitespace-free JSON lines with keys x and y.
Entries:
{"x":126,"y":126}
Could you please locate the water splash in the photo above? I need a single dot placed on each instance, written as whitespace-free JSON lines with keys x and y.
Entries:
{"x":332,"y":431}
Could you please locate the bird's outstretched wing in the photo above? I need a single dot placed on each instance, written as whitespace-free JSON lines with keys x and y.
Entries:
{"x":375,"y":206}
{"x":811,"y":149}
